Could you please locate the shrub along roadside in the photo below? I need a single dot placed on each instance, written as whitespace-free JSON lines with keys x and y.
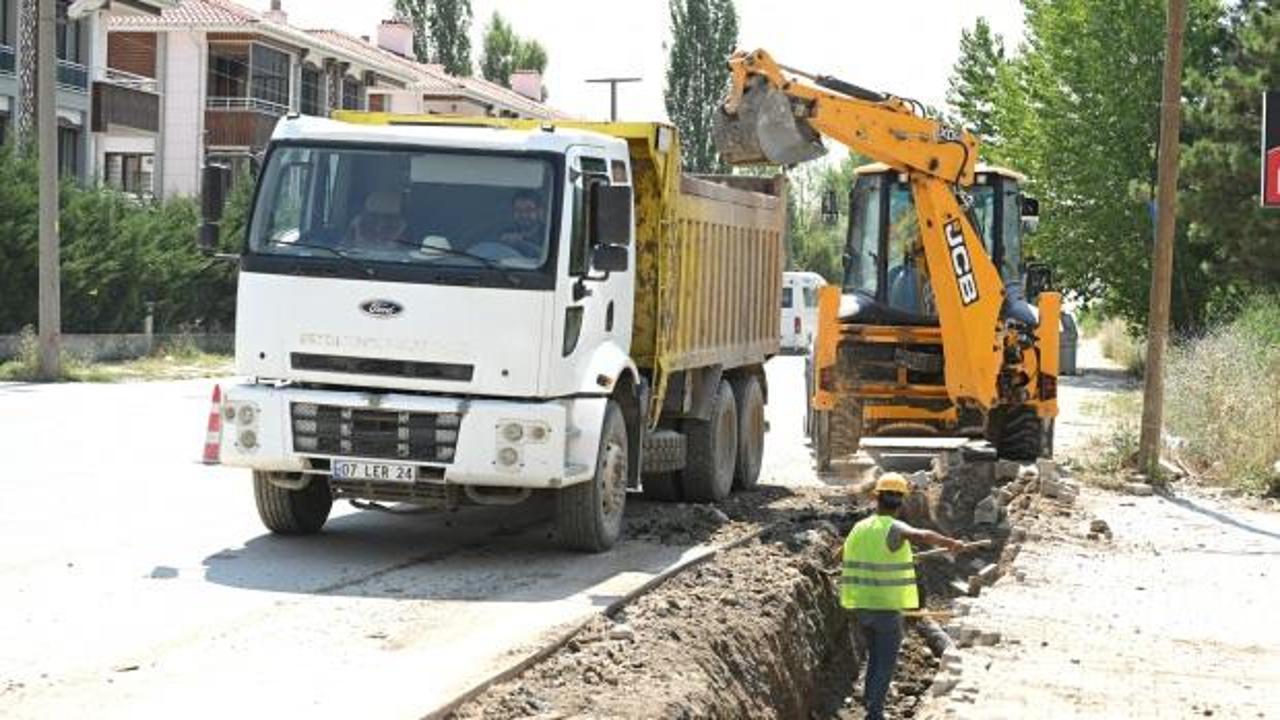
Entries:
{"x":117,"y":253}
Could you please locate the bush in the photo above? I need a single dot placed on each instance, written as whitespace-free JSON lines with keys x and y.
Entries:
{"x":118,"y":252}
{"x":1120,"y":344}
{"x":1223,"y":398}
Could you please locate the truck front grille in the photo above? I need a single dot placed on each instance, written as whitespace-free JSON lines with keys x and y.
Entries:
{"x":381,"y":434}
{"x":382,"y":366}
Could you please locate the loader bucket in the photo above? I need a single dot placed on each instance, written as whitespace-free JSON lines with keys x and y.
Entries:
{"x":764,"y":130}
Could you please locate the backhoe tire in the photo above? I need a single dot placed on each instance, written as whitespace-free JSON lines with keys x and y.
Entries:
{"x":821,"y":439}
{"x":589,"y":514}
{"x":713,"y":450}
{"x":292,"y":512}
{"x":1016,"y":432}
{"x":844,"y":428}
{"x":749,"y":398}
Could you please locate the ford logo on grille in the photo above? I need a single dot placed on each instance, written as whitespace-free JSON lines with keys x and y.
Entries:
{"x":381,"y":308}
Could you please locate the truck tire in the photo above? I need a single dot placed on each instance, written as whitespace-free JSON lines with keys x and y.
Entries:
{"x":589,"y":514}
{"x":292,"y":512}
{"x":749,"y":399}
{"x":713,"y":450}
{"x":1016,"y":432}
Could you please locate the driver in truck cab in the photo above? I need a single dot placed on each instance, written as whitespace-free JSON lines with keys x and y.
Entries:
{"x":527,"y":231}
{"x":380,"y":225}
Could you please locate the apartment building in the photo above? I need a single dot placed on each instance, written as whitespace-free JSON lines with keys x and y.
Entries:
{"x":81,"y":39}
{"x":208,"y":80}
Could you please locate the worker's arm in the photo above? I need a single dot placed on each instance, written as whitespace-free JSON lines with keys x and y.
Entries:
{"x":929,"y":537}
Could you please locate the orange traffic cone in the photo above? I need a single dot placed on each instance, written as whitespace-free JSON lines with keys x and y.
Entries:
{"x":213,"y":437}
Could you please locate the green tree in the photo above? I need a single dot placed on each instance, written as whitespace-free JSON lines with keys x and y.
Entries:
{"x":1221,"y":165}
{"x":1078,"y":111}
{"x":974,"y":77}
{"x":704,"y":33}
{"x":441,"y":32}
{"x":503,"y":52}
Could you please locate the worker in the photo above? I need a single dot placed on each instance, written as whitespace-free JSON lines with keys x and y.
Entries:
{"x":380,"y":226}
{"x":879,"y":582}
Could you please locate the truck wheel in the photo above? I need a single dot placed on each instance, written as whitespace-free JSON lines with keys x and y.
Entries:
{"x":713,"y":450}
{"x":589,"y":514}
{"x":292,"y":512}
{"x":1016,"y":432}
{"x":750,"y":401}
{"x":822,"y":439}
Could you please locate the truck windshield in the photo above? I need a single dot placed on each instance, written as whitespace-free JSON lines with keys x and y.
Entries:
{"x":408,"y":207}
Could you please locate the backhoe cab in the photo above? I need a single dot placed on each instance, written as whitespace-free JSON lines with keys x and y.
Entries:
{"x":932,"y":333}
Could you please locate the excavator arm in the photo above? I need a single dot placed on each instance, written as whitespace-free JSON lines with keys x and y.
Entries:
{"x":774,"y":114}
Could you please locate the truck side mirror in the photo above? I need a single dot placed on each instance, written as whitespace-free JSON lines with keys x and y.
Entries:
{"x":610,"y":217}
{"x":609,"y":258}
{"x":1030,"y":206}
{"x":214,"y":180}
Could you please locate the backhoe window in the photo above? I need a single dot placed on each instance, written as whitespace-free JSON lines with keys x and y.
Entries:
{"x":908,"y":288}
{"x":1011,"y":263}
{"x":864,"y":237}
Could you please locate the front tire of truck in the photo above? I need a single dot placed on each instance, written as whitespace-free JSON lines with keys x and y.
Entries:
{"x":750,"y":401}
{"x":713,"y":450}
{"x":589,"y":514}
{"x":292,"y":512}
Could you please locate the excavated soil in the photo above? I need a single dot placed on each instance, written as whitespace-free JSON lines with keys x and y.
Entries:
{"x":756,"y":631}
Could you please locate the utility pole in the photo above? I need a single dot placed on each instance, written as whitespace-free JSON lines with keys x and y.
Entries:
{"x":613,"y":92}
{"x":25,"y":117}
{"x":47,"y":131}
{"x":1162,"y":262}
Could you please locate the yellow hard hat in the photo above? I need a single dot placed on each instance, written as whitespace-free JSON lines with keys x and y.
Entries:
{"x":892,"y":482}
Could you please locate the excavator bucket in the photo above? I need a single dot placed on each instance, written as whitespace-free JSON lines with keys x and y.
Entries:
{"x":764,"y":130}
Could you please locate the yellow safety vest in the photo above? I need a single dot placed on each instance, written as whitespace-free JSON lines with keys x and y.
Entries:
{"x":876,"y":578}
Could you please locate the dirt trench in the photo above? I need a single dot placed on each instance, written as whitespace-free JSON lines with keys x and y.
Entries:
{"x":757,"y":631}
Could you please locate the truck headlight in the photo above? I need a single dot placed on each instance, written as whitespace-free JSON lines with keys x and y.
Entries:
{"x":248,"y":439}
{"x":246,"y":415}
{"x":512,"y":432}
{"x":508,"y":457}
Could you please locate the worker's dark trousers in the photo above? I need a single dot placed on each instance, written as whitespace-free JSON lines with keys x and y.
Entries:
{"x":881,"y":634}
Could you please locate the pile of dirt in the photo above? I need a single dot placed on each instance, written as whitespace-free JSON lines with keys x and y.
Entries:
{"x":746,"y":634}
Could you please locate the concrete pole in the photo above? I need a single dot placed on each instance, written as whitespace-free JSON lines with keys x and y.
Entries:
{"x":47,"y":132}
{"x":1162,"y":262}
{"x":613,"y":92}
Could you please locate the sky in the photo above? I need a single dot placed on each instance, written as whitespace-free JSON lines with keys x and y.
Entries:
{"x":905,"y":47}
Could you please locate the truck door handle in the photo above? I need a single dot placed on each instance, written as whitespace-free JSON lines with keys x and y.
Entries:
{"x":608,"y":317}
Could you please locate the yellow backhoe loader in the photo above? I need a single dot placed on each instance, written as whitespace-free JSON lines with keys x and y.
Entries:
{"x":934,"y":332}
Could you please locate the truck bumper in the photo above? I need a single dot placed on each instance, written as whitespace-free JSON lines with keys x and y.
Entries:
{"x":451,"y":440}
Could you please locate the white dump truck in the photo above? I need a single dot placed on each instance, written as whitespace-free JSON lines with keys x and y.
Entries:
{"x":467,"y":311}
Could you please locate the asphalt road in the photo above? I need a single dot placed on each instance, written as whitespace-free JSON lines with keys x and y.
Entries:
{"x":138,"y":583}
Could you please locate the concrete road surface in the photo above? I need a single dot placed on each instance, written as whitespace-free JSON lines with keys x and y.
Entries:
{"x":137,"y":583}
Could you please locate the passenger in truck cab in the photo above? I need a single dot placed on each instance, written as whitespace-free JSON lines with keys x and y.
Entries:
{"x":380,"y":225}
{"x":527,"y":232}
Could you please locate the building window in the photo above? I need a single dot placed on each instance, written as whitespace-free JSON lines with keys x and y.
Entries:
{"x":228,"y":71}
{"x":130,"y":172}
{"x":309,"y":102}
{"x":6,"y":37}
{"x":67,"y":33}
{"x":351,"y":91}
{"x":68,"y":152}
{"x":378,"y":102}
{"x":270,"y":69}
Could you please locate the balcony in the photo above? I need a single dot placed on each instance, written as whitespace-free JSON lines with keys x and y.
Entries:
{"x":6,"y":60}
{"x":73,"y":76}
{"x":125,"y":100}
{"x":241,"y":121}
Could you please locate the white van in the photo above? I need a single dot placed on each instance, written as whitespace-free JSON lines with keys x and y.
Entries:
{"x":799,"y":309}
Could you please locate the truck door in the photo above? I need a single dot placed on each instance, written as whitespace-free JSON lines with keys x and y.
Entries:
{"x":598,"y":309}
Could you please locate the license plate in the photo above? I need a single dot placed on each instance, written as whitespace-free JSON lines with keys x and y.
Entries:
{"x":386,"y":472}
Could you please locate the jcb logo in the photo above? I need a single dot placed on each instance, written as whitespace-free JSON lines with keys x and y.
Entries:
{"x":961,"y":264}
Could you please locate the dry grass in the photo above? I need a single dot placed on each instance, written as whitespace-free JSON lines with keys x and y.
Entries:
{"x":178,"y":360}
{"x":1223,"y":400}
{"x":1120,"y":345}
